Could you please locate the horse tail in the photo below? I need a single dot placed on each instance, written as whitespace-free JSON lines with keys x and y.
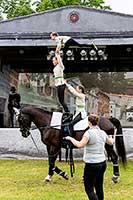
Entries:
{"x":119,"y":141}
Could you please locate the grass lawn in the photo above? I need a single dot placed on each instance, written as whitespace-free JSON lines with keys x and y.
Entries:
{"x":23,"y":180}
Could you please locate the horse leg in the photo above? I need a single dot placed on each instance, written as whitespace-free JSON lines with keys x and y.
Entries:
{"x":114,"y":158}
{"x":60,"y":172}
{"x":60,"y":156}
{"x":51,"y":163}
{"x":52,"y":168}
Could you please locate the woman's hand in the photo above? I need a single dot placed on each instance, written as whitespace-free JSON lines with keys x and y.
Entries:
{"x":110,"y":140}
{"x":67,"y":138}
{"x":77,"y":143}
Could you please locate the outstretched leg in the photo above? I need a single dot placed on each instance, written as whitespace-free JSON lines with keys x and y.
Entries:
{"x":70,"y":42}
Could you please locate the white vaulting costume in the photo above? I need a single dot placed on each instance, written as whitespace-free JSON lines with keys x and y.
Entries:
{"x":80,"y":101}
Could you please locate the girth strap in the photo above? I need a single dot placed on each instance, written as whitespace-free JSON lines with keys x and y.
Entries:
{"x":72,"y":167}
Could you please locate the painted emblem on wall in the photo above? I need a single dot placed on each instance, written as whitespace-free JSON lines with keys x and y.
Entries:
{"x":74,"y":17}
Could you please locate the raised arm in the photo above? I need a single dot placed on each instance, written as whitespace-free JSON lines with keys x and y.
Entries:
{"x":73,"y":91}
{"x":59,"y":60}
{"x":59,"y":44}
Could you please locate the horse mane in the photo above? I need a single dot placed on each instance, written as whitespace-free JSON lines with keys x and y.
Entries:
{"x":44,"y":111}
{"x":31,"y":109}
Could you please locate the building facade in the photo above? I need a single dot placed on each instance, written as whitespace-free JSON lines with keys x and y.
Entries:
{"x":25,"y":44}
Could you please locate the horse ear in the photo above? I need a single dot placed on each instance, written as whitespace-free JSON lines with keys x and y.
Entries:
{"x":16,"y":110}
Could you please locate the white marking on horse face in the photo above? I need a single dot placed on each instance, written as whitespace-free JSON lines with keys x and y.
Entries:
{"x":16,"y":110}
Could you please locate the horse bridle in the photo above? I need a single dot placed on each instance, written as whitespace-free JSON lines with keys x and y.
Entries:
{"x":24,"y":128}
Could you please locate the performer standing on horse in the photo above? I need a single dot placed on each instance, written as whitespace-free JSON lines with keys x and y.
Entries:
{"x":59,"y":80}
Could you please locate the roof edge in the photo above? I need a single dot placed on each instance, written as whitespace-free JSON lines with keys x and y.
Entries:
{"x":84,"y":35}
{"x":67,"y":7}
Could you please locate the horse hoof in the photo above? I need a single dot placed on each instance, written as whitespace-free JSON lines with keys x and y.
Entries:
{"x":115,"y":179}
{"x":47,"y":179}
{"x":64,"y":175}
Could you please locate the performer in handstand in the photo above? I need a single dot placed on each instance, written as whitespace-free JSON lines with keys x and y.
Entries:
{"x":66,"y":41}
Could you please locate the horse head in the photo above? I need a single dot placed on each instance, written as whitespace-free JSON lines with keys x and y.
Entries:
{"x":24,"y":124}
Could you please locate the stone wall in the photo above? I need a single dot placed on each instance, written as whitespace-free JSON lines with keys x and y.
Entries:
{"x":13,"y":145}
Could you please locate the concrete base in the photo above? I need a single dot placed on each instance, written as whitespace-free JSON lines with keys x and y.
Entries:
{"x":13,"y":145}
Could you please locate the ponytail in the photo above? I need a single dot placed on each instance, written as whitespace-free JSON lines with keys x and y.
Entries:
{"x":81,"y":87}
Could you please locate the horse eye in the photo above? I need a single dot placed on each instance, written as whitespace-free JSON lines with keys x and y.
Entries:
{"x":26,"y":121}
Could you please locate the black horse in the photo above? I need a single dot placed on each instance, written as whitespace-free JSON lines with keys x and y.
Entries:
{"x":53,"y":137}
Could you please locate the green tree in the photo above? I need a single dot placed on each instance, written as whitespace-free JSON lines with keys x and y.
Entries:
{"x":119,"y":83}
{"x":89,"y":80}
{"x":48,"y":4}
{"x":51,"y":4}
{"x":95,"y":3}
{"x":113,"y":82}
{"x":15,"y":8}
{"x":1,"y":10}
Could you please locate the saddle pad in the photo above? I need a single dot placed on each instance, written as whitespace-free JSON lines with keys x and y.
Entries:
{"x":56,"y":122}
